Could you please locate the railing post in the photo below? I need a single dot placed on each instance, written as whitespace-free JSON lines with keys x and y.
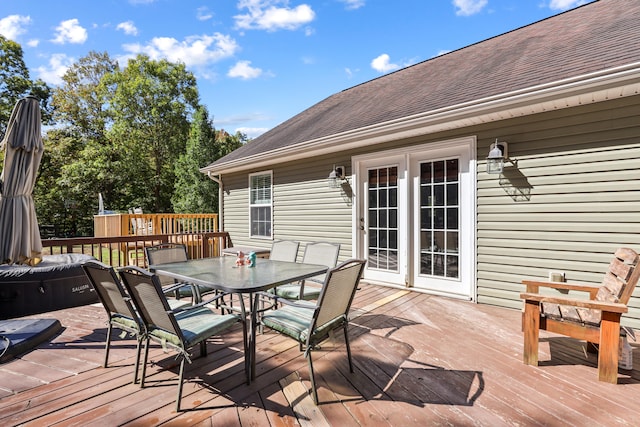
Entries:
{"x":205,"y":246}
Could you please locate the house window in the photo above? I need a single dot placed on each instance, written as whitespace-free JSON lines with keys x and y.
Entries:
{"x":260,"y":199}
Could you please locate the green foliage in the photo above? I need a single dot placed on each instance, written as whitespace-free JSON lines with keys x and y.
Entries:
{"x":16,"y":84}
{"x":77,"y":159}
{"x":137,"y":135}
{"x":82,"y":100}
{"x":56,"y":203}
{"x":151,"y":104}
{"x":194,"y":192}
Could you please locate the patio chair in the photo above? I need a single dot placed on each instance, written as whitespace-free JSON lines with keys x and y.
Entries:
{"x":165,"y":253}
{"x":311,"y":323}
{"x":120,"y":311}
{"x":595,"y":320}
{"x":315,"y":253}
{"x":284,"y":250}
{"x":118,"y":305}
{"x":180,"y":330}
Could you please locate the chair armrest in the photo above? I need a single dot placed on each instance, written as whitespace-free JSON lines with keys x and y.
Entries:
{"x":175,"y":286}
{"x":534,"y":285}
{"x":612,"y":307}
{"x":298,"y":303}
{"x":200,"y":304}
{"x":294,"y":303}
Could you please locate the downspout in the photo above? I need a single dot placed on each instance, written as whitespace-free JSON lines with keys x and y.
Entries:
{"x":218,"y":180}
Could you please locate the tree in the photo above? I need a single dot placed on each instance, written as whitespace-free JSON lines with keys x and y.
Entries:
{"x":16,"y":84}
{"x":78,"y":157}
{"x":194,"y":191}
{"x":152,"y":103}
{"x":81,"y":102}
{"x":54,"y":198}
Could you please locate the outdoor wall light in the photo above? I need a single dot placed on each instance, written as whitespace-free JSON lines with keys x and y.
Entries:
{"x":336,"y":177}
{"x":497,"y":155}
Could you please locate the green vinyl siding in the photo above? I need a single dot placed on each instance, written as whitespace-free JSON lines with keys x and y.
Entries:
{"x":305,"y":209}
{"x":571,"y":201}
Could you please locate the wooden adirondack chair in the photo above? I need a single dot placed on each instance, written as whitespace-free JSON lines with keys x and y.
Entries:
{"x":596,"y":320}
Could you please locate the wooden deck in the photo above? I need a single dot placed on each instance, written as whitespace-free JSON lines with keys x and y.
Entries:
{"x":419,"y":359}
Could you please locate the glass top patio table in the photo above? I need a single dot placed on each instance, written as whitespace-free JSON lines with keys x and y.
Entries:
{"x":223,"y":274}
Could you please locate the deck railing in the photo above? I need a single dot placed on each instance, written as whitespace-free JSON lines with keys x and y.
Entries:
{"x":129,"y":250}
{"x":141,"y":224}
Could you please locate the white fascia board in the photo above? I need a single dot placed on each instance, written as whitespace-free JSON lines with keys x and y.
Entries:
{"x":586,"y":89}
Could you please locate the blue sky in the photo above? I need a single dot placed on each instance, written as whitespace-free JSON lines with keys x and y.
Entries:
{"x":260,"y":62}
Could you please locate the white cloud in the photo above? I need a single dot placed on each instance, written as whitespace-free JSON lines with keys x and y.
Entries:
{"x":203,"y":14}
{"x":53,"y":72}
{"x":469,"y":7}
{"x":565,"y":4}
{"x":33,"y":43}
{"x":244,"y":70}
{"x":128,"y":27}
{"x":351,"y":73}
{"x":70,"y":31}
{"x":266,"y":15}
{"x":252,"y":132}
{"x":193,"y":51}
{"x":354,"y":4}
{"x":14,"y":25}
{"x":382,"y":64}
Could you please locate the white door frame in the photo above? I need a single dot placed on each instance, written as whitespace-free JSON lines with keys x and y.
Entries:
{"x":462,"y":148}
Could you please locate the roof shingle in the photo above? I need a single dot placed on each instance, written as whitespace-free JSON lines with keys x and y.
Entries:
{"x":595,"y":37}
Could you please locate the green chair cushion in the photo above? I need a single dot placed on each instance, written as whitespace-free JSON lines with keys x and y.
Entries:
{"x":176,"y":303}
{"x":295,"y":321}
{"x":128,"y":324}
{"x":124,"y":322}
{"x":197,"y":325}
{"x":292,"y":291}
{"x":291,"y":321}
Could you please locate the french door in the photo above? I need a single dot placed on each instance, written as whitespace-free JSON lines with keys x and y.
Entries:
{"x":416,"y":214}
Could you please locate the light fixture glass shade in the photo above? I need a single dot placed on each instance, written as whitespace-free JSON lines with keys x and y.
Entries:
{"x":495,"y":160}
{"x":495,"y":166}
{"x":332,"y":180}
{"x":336,"y":177}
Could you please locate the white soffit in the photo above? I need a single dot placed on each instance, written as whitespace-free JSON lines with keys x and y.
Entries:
{"x":597,"y":87}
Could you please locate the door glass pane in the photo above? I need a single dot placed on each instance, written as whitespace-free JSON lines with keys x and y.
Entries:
{"x":382,"y":227}
{"x":425,"y":195}
{"x":438,"y":195}
{"x":393,"y":218}
{"x":438,"y":172}
{"x":382,"y":222}
{"x":439,"y":218}
{"x":382,"y":197}
{"x":393,"y":197}
{"x":393,"y":177}
{"x":373,"y":178}
{"x":452,"y":194}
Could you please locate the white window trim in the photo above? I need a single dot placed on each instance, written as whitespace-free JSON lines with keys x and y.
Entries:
{"x":270,"y":236}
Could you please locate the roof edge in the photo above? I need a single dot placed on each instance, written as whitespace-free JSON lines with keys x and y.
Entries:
{"x":584,"y":89}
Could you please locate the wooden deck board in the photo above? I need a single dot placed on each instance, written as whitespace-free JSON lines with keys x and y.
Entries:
{"x":419,"y":360}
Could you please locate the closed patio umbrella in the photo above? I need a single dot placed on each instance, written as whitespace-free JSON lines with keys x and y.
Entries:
{"x":22,"y":144}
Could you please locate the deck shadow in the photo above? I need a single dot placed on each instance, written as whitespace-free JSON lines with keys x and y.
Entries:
{"x":570,"y":351}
